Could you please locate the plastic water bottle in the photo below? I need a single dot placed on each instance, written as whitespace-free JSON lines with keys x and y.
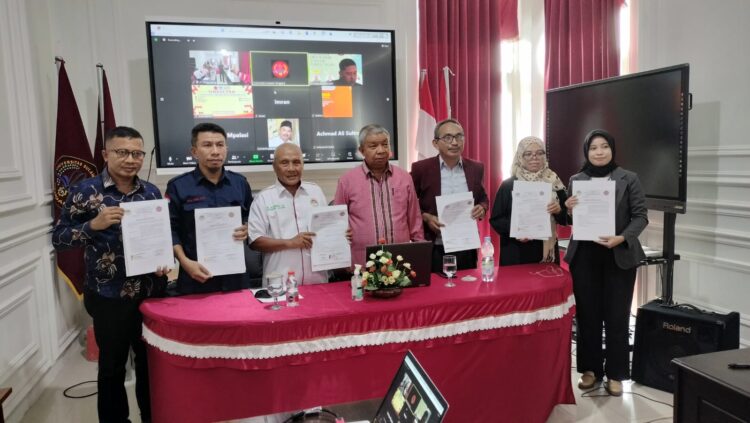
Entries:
{"x":292,"y":291}
{"x":488,"y":260}
{"x":357,"y":283}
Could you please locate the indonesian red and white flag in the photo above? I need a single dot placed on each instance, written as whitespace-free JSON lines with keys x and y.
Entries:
{"x":428,"y":117}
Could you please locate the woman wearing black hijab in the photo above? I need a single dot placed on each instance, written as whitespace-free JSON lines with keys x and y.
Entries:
{"x":604,"y":271}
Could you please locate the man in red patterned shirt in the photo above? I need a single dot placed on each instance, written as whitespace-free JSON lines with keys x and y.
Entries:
{"x":380,"y":197}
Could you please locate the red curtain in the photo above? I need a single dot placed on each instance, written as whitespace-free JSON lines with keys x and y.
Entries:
{"x":582,"y":41}
{"x":465,"y":35}
{"x":581,"y":45}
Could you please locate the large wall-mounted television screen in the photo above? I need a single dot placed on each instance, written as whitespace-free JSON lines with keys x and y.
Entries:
{"x":646,"y":113}
{"x":266,"y":85}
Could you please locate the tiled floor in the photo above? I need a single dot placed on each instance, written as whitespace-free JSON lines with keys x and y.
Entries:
{"x":72,"y":368}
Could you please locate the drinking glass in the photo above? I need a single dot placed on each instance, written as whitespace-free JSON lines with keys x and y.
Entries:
{"x":449,"y":268}
{"x":275,"y":286}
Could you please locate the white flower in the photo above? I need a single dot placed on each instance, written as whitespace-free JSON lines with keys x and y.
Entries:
{"x":379,"y":253}
{"x":407,"y":265}
{"x":365,"y":275}
{"x":372,"y":256}
{"x":399,"y":258}
{"x":396,"y":274}
{"x":383,"y":260}
{"x":391,"y":280}
{"x":370,"y":263}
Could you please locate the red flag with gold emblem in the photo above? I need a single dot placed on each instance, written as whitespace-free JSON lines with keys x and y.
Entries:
{"x":73,"y":164}
{"x":105,"y":123}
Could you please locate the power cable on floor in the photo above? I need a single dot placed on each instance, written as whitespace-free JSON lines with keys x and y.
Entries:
{"x":66,"y":395}
{"x":589,"y":394}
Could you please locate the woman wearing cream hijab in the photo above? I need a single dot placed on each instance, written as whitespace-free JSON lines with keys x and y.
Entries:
{"x":529,"y":164}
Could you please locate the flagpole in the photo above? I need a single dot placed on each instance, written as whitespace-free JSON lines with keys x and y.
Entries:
{"x":100,"y":85}
{"x":446,"y":76}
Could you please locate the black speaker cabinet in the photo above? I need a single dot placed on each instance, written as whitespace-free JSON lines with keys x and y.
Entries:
{"x":666,"y":332}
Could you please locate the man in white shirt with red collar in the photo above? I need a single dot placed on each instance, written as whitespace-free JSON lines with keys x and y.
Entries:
{"x":280,"y":215}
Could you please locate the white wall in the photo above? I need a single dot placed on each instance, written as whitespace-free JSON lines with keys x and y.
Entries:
{"x":39,"y":317}
{"x":713,"y":238}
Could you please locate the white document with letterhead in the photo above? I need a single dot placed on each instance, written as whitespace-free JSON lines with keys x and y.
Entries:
{"x":528,"y":217}
{"x":217,"y":249}
{"x":330,"y":248}
{"x":146,"y":237}
{"x":594,"y":215}
{"x":460,"y":232}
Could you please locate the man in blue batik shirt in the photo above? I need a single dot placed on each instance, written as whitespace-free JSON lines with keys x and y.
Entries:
{"x":91,"y":219}
{"x":209,"y":185}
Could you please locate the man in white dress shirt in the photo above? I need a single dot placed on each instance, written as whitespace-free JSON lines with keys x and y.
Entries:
{"x":280,"y":215}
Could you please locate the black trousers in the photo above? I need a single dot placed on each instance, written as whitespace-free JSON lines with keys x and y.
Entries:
{"x":603,"y":293}
{"x":464,"y":259}
{"x":117,"y":327}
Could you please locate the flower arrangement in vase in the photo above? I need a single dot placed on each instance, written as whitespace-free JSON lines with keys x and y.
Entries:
{"x":385,"y":275}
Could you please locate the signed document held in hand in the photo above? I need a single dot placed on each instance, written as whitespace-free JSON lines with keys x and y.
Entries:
{"x":218,"y":251}
{"x":528,"y":217}
{"x":594,"y":215}
{"x":330,"y":248}
{"x":146,"y":237}
{"x":460,"y":231}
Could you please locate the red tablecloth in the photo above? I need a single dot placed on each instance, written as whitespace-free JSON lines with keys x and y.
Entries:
{"x":498,"y":349}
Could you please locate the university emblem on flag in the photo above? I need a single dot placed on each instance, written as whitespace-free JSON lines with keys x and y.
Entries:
{"x":68,"y":172}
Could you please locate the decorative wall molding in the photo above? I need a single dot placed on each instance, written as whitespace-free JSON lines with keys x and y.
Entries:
{"x":737,"y":150}
{"x":16,"y":202}
{"x":23,"y":297}
{"x":730,"y":238}
{"x":722,"y":263}
{"x":718,"y":174}
{"x":24,"y":233}
{"x":709,"y":234}
{"x":9,"y":173}
{"x":719,"y":207}
{"x":744,"y":317}
{"x":17,"y":269}
{"x":53,"y":299}
{"x":8,"y":50}
{"x":65,"y":340}
{"x":729,"y":179}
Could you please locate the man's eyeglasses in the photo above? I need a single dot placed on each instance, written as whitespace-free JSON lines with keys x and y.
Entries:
{"x":448,"y":138}
{"x":529,"y":154}
{"x":122,"y":153}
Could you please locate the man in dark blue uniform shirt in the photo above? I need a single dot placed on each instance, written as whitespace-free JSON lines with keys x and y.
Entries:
{"x":209,"y":185}
{"x":91,"y":219}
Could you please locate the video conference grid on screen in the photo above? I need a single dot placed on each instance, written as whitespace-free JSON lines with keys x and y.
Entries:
{"x":268,"y":85}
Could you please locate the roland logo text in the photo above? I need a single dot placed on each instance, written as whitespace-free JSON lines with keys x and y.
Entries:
{"x":677,"y":328}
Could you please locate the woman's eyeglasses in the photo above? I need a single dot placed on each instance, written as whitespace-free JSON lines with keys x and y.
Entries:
{"x":530,"y":154}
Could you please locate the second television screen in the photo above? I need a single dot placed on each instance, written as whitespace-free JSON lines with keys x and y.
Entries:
{"x":267,"y":85}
